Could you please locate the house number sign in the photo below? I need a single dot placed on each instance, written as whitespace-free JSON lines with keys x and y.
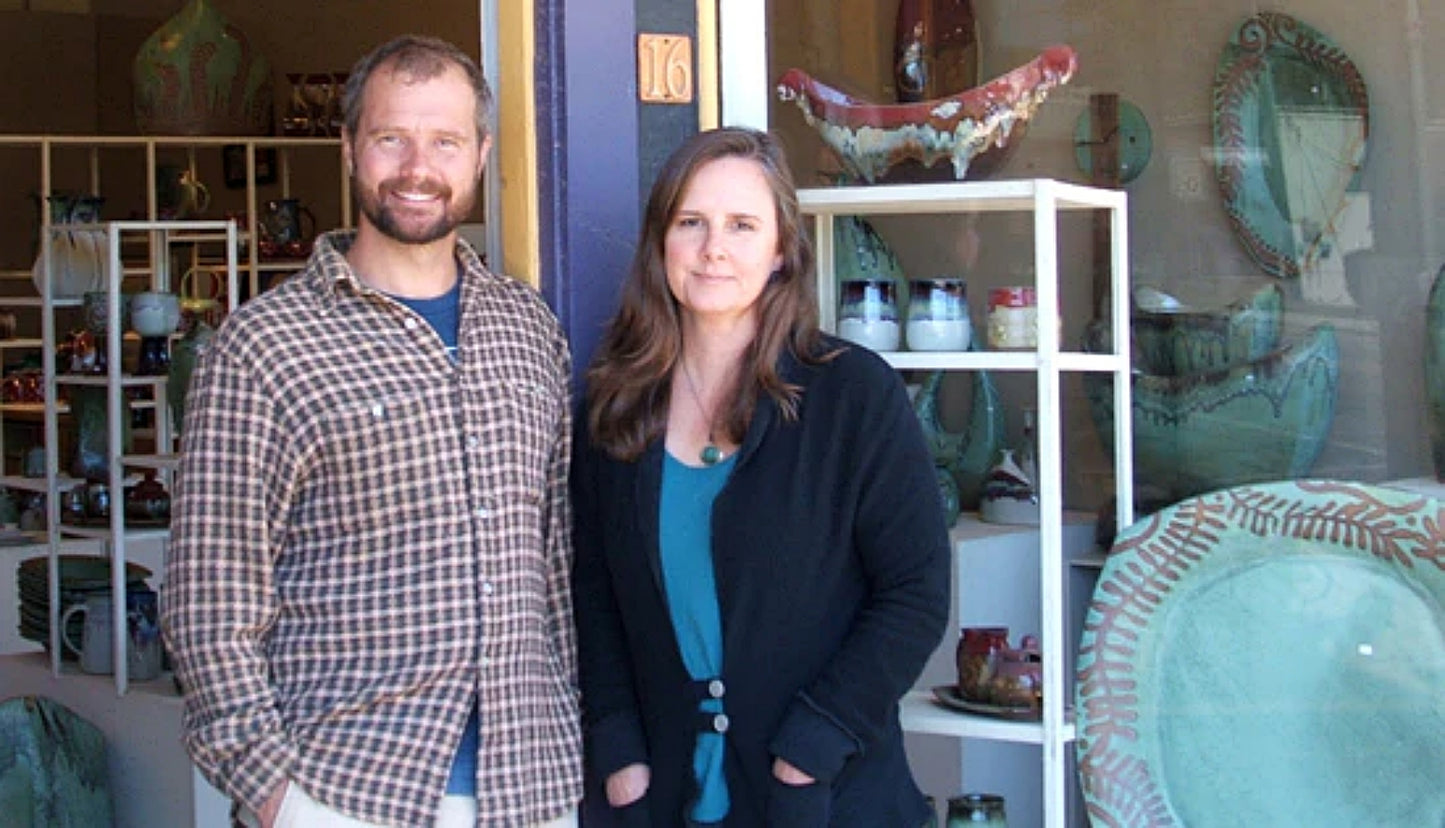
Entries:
{"x":664,"y":68}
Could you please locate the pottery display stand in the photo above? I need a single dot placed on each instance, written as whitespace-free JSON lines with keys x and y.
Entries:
{"x":117,"y":388}
{"x":1045,"y":199}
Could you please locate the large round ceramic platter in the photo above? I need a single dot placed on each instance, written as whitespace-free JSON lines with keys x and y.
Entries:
{"x":1269,"y":655}
{"x":1291,"y":121}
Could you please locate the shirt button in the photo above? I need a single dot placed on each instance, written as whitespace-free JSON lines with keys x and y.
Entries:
{"x":486,"y":661}
{"x":715,"y":688}
{"x":411,"y":324}
{"x":483,"y":512}
{"x":720,"y":723}
{"x":473,"y":441}
{"x":487,"y":588}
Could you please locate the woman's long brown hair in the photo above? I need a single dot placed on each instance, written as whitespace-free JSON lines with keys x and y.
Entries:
{"x":629,"y":381}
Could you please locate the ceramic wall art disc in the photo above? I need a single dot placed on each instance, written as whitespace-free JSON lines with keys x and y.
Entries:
{"x":1136,"y":141}
{"x":1269,"y":655}
{"x":1291,"y":121}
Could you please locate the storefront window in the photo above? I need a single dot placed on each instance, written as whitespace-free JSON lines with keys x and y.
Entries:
{"x":1285,"y":167}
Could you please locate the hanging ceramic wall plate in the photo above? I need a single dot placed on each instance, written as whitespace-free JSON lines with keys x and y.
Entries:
{"x":1269,"y":655}
{"x":1136,"y":142}
{"x":1291,"y":121}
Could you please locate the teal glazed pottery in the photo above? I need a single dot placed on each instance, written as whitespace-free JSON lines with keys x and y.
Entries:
{"x":1291,"y":124}
{"x":199,"y":75}
{"x":186,"y":353}
{"x":970,"y":453}
{"x":1435,"y":371}
{"x":1262,"y":420}
{"x":55,"y":770}
{"x":1136,"y":142}
{"x":92,"y":440}
{"x":1268,"y":655}
{"x":1173,"y":339}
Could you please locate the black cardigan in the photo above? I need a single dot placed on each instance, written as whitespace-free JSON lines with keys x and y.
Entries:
{"x":832,"y":565}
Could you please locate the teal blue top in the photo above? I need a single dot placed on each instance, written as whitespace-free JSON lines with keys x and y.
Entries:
{"x":685,"y":546}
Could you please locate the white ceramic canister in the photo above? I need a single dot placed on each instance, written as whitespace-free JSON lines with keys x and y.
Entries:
{"x":868,"y":313}
{"x":938,"y":315}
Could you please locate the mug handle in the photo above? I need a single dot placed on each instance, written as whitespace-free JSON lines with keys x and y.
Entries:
{"x":307,"y":216}
{"x":65,"y":627}
{"x":203,"y":195}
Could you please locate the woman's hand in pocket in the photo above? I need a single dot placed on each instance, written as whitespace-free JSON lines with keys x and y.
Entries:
{"x":797,"y":800}
{"x":628,"y":785}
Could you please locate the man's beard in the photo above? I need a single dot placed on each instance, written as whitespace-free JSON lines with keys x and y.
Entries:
{"x":376,"y":210}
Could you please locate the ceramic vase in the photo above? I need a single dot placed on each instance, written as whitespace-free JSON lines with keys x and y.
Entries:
{"x":1435,"y":371}
{"x":91,"y":460}
{"x":199,"y":75}
{"x":77,"y":257}
{"x":185,"y":354}
{"x":967,"y":454}
{"x":935,"y":48}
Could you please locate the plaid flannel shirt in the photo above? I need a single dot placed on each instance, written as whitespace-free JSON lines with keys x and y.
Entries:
{"x":366,"y":536}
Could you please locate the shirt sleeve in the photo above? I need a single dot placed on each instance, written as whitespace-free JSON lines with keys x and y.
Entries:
{"x":220,"y":601}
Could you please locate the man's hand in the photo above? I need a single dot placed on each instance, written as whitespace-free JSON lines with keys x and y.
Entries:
{"x":628,"y":785}
{"x":268,"y":812}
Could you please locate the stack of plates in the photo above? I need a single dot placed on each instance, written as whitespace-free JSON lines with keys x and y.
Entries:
{"x":80,"y":575}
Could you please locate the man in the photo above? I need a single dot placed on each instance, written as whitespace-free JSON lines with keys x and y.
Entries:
{"x":367,"y":595}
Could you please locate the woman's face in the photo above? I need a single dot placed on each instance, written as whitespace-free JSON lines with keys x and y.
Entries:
{"x":722,"y":244}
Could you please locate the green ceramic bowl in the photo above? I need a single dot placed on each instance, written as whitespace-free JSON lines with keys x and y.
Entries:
{"x":1262,"y":420}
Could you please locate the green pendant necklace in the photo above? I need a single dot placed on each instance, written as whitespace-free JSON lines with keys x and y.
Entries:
{"x":710,"y":454}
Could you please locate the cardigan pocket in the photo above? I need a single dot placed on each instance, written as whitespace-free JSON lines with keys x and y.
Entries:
{"x":798,"y":806}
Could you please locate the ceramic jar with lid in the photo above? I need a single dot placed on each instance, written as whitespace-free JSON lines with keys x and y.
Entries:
{"x":1012,"y":318}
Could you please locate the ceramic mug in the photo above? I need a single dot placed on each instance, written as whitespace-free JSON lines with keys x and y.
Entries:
{"x":143,"y":639}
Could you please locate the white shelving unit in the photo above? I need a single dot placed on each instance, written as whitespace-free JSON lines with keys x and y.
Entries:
{"x":113,"y":537}
{"x":1045,"y":199}
{"x":252,"y":264}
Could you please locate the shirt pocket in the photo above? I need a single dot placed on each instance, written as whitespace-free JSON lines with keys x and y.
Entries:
{"x":372,"y":443}
{"x":526,"y":442}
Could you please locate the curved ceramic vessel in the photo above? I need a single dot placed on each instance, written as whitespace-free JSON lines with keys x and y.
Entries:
{"x":1266,"y":419}
{"x":871,"y":137}
{"x":1169,"y":339}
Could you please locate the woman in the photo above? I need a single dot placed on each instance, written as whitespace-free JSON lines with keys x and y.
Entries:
{"x":762,"y":561}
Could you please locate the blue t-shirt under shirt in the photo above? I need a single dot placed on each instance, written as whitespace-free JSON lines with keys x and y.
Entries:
{"x":443,"y":313}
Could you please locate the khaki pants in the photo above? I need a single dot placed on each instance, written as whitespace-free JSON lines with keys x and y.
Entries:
{"x":299,"y":810}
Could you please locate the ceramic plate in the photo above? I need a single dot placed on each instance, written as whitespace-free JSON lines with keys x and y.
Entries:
{"x":1291,"y":119}
{"x":1136,"y":141}
{"x":948,"y":696}
{"x":1269,"y":655}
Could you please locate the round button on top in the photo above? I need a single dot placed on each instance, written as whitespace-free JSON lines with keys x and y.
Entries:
{"x":715,"y":688}
{"x":720,"y":723}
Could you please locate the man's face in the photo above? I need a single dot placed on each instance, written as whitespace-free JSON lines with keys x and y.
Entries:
{"x":416,"y":157}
